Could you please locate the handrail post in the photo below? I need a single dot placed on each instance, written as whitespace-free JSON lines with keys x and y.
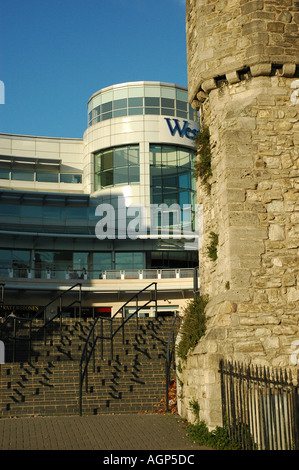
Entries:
{"x":137,"y":312}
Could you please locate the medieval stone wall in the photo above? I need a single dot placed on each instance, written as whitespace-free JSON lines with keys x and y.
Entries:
{"x":247,"y":94}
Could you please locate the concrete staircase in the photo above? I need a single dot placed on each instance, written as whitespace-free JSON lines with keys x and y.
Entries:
{"x":133,"y":381}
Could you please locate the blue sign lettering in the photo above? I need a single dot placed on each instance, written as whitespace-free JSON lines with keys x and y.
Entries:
{"x":183,"y":131}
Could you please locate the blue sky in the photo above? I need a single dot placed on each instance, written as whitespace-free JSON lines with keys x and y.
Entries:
{"x":56,"y":53}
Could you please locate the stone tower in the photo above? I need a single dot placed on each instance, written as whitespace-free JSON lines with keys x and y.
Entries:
{"x":243,"y":72}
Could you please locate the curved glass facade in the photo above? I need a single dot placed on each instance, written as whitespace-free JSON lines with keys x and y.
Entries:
{"x":117,"y":166}
{"x":137,"y":99}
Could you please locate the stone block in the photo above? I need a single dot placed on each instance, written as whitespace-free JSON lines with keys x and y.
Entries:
{"x":276,"y":232}
{"x":261,"y":69}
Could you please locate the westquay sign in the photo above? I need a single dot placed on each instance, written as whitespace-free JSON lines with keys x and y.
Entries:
{"x":183,"y":130}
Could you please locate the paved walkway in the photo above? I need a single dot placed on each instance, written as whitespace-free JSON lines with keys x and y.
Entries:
{"x":103,"y":432}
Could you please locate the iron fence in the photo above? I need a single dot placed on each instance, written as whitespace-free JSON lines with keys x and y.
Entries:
{"x":260,"y":407}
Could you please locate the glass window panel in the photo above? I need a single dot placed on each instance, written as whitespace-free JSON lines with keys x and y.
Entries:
{"x":97,"y":101}
{"x":184,"y":180}
{"x":155,"y":154}
{"x":133,"y":155}
{"x":106,"y":97}
{"x":120,"y":112}
{"x":152,"y":111}
{"x":151,"y":91}
{"x":80,"y":261}
{"x":96,"y":111}
{"x":119,"y":104}
{"x":135,"y":102}
{"x":47,"y":177}
{"x":181,"y":105}
{"x":107,"y":107}
{"x":181,"y":114}
{"x":21,"y":258}
{"x":22,"y":175}
{"x":76,"y":212}
{"x":138,"y":260}
{"x":135,"y":111}
{"x":168,"y":92}
{"x":133,"y":174}
{"x":106,"y":116}
{"x":102,"y":261}
{"x":10,"y":210}
{"x":5,"y":261}
{"x":152,"y":101}
{"x":167,"y":103}
{"x":136,"y":91}
{"x":121,"y":175}
{"x":31,"y":211}
{"x":53,"y":212}
{"x":120,"y":93}
{"x":182,"y":95}
{"x":107,"y":178}
{"x":70,"y":178}
{"x":4,"y":174}
{"x":107,"y":160}
{"x":167,"y":111}
{"x":169,"y":156}
{"x":120,"y":157}
{"x":184,"y":198}
{"x":184,"y":157}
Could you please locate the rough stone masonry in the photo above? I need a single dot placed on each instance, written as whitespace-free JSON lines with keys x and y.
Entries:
{"x":243,"y":73}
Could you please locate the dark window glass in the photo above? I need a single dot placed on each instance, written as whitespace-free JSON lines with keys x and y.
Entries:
{"x":107,"y":107}
{"x":22,"y":175}
{"x":135,"y":102}
{"x":47,"y":177}
{"x":152,"y":110}
{"x":119,"y":104}
{"x":167,"y":102}
{"x":70,"y":178}
{"x":152,"y":101}
{"x":4,"y":174}
{"x":10,"y":210}
{"x":181,"y":105}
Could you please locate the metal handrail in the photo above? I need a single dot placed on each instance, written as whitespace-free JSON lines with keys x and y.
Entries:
{"x":170,"y":358}
{"x":86,"y":356}
{"x":14,"y":319}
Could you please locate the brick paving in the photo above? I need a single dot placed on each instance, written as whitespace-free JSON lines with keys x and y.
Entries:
{"x":102,"y":432}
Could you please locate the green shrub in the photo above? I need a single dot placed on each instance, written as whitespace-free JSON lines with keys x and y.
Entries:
{"x":194,"y":325}
{"x":216,"y":439}
{"x":212,"y":248}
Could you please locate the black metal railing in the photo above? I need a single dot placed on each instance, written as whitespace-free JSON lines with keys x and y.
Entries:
{"x":260,"y":407}
{"x":170,"y":357}
{"x":19,"y":329}
{"x":92,"y":338}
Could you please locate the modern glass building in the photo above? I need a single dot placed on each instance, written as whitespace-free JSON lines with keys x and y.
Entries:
{"x":112,"y":209}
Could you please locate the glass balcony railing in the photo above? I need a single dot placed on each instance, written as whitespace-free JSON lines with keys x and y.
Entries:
{"x":85,"y":275}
